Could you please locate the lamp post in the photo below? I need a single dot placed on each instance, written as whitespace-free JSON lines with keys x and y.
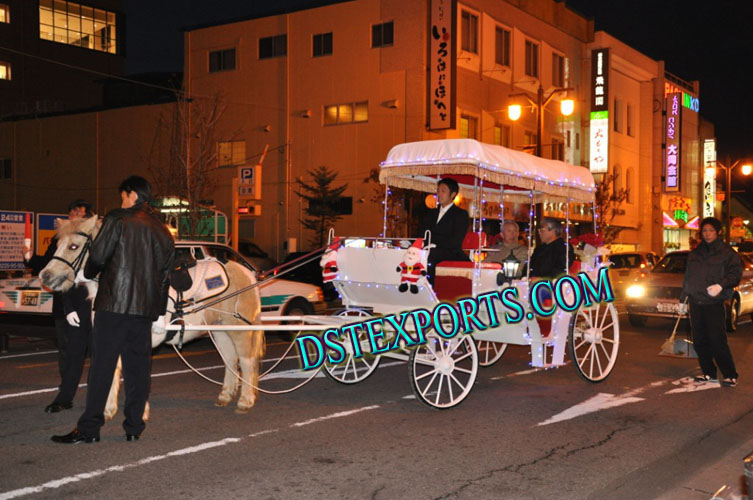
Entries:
{"x":746,"y":170}
{"x":567,"y":106}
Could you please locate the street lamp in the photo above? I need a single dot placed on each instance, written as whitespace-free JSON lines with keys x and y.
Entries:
{"x":746,"y":170}
{"x":567,"y":106}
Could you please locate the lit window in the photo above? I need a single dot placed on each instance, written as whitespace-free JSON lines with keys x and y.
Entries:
{"x":469,"y":32}
{"x":75,"y":24}
{"x":231,"y":153}
{"x":273,"y":46}
{"x":558,"y":149}
{"x":222,"y":60}
{"x":558,"y":70}
{"x":502,"y":47}
{"x":339,"y":114}
{"x":468,"y":126}
{"x":4,"y":70}
{"x":323,"y":44}
{"x":532,"y":59}
{"x":501,"y":135}
{"x":4,"y":13}
{"x":382,"y":35}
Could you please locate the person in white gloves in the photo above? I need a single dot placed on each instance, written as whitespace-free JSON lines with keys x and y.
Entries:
{"x":72,"y":314}
{"x":713,"y":271}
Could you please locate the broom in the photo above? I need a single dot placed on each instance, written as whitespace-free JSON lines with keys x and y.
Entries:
{"x":678,"y":348}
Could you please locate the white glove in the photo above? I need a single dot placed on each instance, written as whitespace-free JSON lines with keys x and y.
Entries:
{"x":80,"y":278}
{"x":714,"y":290}
{"x":682,"y":309}
{"x":73,"y":319}
{"x":429,"y":247}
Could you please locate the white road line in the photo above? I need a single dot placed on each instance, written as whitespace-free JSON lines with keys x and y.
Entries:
{"x":687,"y":384}
{"x":27,"y":354}
{"x":57,"y":483}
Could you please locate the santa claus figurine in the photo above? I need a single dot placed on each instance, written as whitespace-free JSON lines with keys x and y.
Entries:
{"x":411,"y":268}
{"x":329,"y":261}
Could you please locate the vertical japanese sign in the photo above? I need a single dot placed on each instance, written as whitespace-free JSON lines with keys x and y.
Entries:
{"x":709,"y":177}
{"x":599,"y":137}
{"x":12,"y":234}
{"x":673,"y":144}
{"x":442,"y":59}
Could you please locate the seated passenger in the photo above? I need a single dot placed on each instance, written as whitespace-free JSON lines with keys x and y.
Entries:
{"x":509,"y":243}
{"x":549,"y":257}
{"x":448,"y":225}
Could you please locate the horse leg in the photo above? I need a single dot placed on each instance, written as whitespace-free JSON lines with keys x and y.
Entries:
{"x":250,"y":348}
{"x":230,"y":383}
{"x":111,"y":407}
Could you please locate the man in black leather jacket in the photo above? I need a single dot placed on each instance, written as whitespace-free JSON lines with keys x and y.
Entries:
{"x":712,"y":273}
{"x":132,"y":253}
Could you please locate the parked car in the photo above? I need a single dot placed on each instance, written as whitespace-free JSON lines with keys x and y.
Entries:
{"x":255,"y":255}
{"x":657,"y":295}
{"x":279,"y":297}
{"x":311,"y":273}
{"x":627,"y":267}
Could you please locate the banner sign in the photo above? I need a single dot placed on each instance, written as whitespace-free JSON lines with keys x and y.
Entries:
{"x":14,"y":228}
{"x":46,"y":229}
{"x":599,"y":150}
{"x":442,"y":61}
{"x":672,"y":152}
{"x":600,"y":80}
{"x":709,"y":177}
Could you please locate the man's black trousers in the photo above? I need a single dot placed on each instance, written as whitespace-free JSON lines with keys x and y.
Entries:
{"x":707,"y":322}
{"x":73,"y":341}
{"x":116,"y":335}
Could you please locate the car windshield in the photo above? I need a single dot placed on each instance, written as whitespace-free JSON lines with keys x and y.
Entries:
{"x":625,"y":261}
{"x":672,"y":263}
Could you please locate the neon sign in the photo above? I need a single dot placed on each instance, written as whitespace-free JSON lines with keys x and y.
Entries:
{"x":673,"y":149}
{"x":688,"y":101}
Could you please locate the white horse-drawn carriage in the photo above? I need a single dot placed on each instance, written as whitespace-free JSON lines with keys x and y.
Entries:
{"x":367,"y":275}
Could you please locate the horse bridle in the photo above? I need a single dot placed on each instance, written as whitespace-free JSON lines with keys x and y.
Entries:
{"x":76,"y":264}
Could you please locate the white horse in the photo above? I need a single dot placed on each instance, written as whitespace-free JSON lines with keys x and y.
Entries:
{"x":242,"y":349}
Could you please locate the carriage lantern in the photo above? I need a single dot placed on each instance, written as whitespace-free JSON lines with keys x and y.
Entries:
{"x":509,"y":269}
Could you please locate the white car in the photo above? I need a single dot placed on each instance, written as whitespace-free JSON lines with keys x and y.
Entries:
{"x":279,"y":297}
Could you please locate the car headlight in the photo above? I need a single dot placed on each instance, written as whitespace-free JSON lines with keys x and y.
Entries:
{"x":635,"y":291}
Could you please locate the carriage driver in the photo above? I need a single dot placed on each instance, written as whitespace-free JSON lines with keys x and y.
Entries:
{"x":132,"y":254}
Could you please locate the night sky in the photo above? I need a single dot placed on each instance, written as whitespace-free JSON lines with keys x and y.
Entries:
{"x":709,"y":41}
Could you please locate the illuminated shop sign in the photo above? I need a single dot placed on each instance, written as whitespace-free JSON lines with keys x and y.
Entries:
{"x":673,"y":144}
{"x":600,"y":80}
{"x":599,"y":153}
{"x":709,"y":177}
{"x":442,"y":64}
{"x":688,"y":101}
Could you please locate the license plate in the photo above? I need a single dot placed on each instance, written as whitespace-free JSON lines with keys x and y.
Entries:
{"x":668,"y":307}
{"x":30,"y":299}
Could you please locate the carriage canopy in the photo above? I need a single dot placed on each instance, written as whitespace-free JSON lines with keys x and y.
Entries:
{"x":419,"y":165}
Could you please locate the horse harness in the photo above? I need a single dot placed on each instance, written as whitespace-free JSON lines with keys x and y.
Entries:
{"x":79,"y":260}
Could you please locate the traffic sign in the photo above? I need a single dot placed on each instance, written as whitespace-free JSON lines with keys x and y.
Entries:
{"x":246,"y":175}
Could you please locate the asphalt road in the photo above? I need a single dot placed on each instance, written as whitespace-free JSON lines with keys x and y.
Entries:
{"x":646,"y":432}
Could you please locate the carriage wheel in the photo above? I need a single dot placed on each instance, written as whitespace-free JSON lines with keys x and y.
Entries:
{"x":353,"y":370}
{"x":442,"y":371}
{"x":594,"y":340}
{"x":489,"y":352}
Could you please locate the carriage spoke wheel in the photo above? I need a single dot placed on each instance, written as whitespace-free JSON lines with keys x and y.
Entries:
{"x":489,"y":352}
{"x":594,"y":341}
{"x":442,"y":371}
{"x":353,"y":370}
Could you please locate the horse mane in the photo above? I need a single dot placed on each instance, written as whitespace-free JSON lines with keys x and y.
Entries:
{"x":67,"y":227}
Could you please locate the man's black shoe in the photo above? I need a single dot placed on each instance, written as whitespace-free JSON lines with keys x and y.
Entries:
{"x":132,"y":437}
{"x":75,"y":437}
{"x":56,"y":407}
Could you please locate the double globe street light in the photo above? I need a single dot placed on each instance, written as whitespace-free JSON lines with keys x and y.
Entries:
{"x":567,"y":106}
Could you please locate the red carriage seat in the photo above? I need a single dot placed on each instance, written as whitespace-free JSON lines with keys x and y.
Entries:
{"x":471,"y":241}
{"x":454,"y":278}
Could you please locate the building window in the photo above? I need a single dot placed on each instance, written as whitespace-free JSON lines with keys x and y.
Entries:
{"x":273,"y":46}
{"x":323,"y":44}
{"x":340,"y":114}
{"x":4,"y":13}
{"x":4,"y":70}
{"x":79,"y":25}
{"x":628,"y":185}
{"x":558,"y":149}
{"x":532,"y":59}
{"x":469,"y":32}
{"x":502,"y":46}
{"x":558,"y":70}
{"x":222,"y":60}
{"x":629,"y":119}
{"x":5,"y":170}
{"x":382,"y":35}
{"x":530,"y":140}
{"x":468,"y":126}
{"x":231,"y":153}
{"x":339,"y":206}
{"x":617,"y":123}
{"x":577,"y":140}
{"x":501,"y":135}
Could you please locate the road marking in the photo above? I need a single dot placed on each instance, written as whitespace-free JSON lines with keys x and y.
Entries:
{"x":687,"y":384}
{"x":601,"y":401}
{"x":28,"y":354}
{"x":57,"y":483}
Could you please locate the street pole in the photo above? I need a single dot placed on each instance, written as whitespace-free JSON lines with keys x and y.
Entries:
{"x":728,"y":199}
{"x":540,"y":119}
